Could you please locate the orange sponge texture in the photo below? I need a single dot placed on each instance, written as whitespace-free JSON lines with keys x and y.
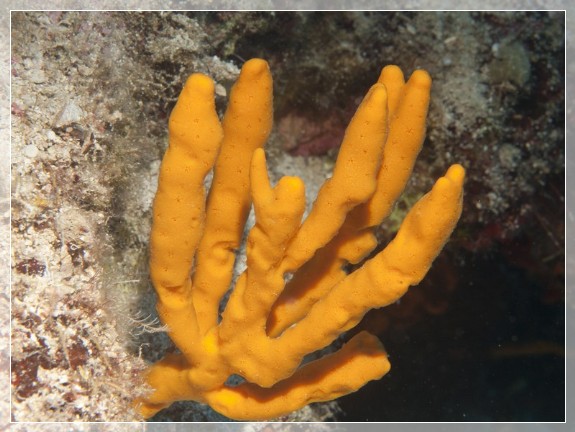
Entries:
{"x":295,"y":297}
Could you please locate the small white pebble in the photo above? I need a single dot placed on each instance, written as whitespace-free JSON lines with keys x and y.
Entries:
{"x":51,"y":135}
{"x":450,"y":40}
{"x":30,"y":151}
{"x":70,"y":113}
{"x":221,"y":90}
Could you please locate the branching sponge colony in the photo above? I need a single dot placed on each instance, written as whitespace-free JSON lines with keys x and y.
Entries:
{"x":294,"y":297}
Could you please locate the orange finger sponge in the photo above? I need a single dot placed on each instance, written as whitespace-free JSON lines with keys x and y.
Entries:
{"x":295,"y":296}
